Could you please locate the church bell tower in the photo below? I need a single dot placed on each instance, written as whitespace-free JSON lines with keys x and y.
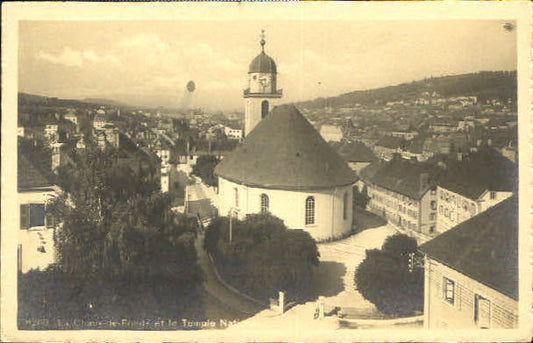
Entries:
{"x":262,"y":93}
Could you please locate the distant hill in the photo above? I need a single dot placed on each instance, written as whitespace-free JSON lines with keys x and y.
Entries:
{"x":103,"y":101}
{"x":485,"y":84}
{"x":26,"y":99}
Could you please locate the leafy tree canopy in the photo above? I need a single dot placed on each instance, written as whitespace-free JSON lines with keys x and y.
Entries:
{"x":205,"y":167}
{"x":385,"y":279}
{"x":264,"y":257}
{"x":120,"y":246}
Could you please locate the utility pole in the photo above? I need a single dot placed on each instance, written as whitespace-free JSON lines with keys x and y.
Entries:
{"x":231,"y":210}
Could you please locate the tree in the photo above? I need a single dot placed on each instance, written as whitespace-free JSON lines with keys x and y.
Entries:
{"x":121,"y":248}
{"x":205,"y":167}
{"x":264,"y":257}
{"x":361,"y":197}
{"x":384,"y":277}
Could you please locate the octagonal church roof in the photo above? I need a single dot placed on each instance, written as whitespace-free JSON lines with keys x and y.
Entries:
{"x":284,"y":151}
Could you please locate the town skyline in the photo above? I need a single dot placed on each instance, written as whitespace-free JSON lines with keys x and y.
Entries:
{"x":87,"y":60}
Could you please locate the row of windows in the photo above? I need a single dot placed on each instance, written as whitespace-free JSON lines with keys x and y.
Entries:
{"x":309,"y":206}
{"x":481,"y":304}
{"x":466,"y":205}
{"x":395,"y":195}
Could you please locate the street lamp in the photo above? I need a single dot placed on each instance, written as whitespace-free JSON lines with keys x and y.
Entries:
{"x":232,"y":210}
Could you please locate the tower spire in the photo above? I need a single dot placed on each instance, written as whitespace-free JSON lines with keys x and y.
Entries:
{"x":262,"y":41}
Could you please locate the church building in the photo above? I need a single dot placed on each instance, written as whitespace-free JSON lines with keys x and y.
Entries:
{"x":284,"y":167}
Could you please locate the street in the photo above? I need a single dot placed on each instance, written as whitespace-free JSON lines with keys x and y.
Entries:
{"x":333,"y":279}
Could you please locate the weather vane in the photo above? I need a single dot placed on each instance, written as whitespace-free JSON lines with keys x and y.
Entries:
{"x":262,"y":42}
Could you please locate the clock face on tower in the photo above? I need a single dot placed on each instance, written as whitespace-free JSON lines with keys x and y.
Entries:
{"x":264,"y":82}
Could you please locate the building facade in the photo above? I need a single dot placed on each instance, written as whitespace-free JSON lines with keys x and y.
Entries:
{"x":454,"y":300}
{"x":471,"y":272}
{"x":324,"y":213}
{"x":403,"y":192}
{"x":35,"y":235}
{"x":454,"y":208}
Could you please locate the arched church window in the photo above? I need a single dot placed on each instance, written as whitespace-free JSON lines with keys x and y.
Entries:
{"x":310,"y":210}
{"x":264,"y":108}
{"x":265,"y":203}
{"x":345,"y":206}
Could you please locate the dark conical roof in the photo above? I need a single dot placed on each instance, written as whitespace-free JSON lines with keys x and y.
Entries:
{"x":263,"y":63}
{"x":284,"y":151}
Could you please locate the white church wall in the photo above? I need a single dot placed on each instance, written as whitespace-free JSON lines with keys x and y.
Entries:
{"x":290,"y":207}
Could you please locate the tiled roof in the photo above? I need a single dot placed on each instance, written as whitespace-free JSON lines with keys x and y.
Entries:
{"x":31,"y":176}
{"x":478,"y":172}
{"x":401,"y":176}
{"x":354,"y":151}
{"x":391,"y":142}
{"x":284,"y":151}
{"x":485,"y":247}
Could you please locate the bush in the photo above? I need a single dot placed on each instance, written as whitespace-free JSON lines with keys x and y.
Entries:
{"x":264,"y":256}
{"x":384,"y":277}
{"x":205,"y":167}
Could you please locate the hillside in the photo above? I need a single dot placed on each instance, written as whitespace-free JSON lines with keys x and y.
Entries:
{"x":484,"y":85}
{"x":26,"y":99}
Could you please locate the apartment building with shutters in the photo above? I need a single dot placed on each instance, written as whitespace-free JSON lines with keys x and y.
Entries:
{"x":471,"y":272}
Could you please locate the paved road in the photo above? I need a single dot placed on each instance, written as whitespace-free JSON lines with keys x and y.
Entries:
{"x":222,"y":302}
{"x":333,"y":279}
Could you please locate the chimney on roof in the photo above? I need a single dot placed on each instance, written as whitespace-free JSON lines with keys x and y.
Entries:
{"x":424,"y":181}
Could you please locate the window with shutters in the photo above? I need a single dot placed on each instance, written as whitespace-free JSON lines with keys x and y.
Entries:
{"x":482,"y":312}
{"x":32,"y":215}
{"x":24,"y":216}
{"x":264,"y":203}
{"x":448,"y":290}
{"x":37,"y":214}
{"x":310,"y":210}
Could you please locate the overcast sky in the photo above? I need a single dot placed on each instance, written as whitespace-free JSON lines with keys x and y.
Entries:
{"x":150,"y":62}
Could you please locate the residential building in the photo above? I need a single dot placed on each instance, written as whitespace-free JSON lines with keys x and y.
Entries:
{"x":472,"y":184}
{"x":404,"y":193}
{"x":387,"y":146}
{"x":35,"y":190}
{"x":471,"y":272}
{"x":99,"y":121}
{"x":233,"y":133}
{"x":356,"y":154}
